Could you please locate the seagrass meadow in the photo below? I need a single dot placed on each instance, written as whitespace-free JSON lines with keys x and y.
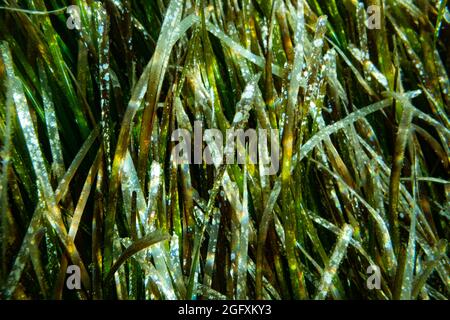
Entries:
{"x":93,"y":204}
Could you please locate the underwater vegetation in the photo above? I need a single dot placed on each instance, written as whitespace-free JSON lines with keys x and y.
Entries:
{"x":96,"y":98}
